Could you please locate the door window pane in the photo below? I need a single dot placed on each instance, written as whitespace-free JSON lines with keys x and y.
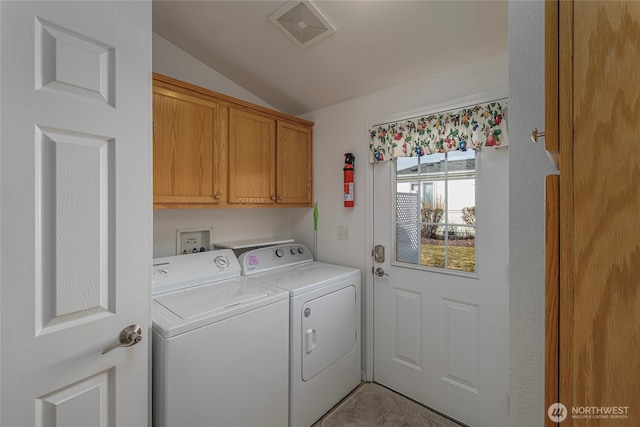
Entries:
{"x":435,"y":211}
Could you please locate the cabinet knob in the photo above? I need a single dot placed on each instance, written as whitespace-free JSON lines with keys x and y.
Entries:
{"x":536,"y":134}
{"x":279,"y":197}
{"x":217,"y":197}
{"x":273,"y":198}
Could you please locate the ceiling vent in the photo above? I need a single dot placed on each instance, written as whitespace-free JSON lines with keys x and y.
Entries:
{"x":302,"y":22}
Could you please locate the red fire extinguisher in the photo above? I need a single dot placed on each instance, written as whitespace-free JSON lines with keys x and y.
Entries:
{"x":349,"y":199}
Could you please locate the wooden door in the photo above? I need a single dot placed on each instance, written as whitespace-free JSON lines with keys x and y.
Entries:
{"x":294,"y":174}
{"x":76,"y":215}
{"x":252,"y":158}
{"x":186,"y":149}
{"x":596,"y":114}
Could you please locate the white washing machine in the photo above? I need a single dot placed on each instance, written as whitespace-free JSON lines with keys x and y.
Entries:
{"x":220,"y":345}
{"x":324,"y":325}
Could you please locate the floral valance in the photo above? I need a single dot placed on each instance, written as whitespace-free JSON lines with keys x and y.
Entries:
{"x":468,"y":129}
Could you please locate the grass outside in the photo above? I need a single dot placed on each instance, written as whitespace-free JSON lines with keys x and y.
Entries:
{"x":461,"y":258}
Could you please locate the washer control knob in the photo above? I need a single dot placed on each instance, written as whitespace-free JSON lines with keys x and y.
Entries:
{"x":293,"y":251}
{"x":221,"y":261}
{"x":300,"y":250}
{"x":279,"y":253}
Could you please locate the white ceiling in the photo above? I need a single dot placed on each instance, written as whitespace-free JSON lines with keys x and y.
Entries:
{"x":377,"y":45}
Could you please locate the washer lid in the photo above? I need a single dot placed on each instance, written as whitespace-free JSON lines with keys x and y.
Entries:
{"x":306,"y":277}
{"x":184,"y":310}
{"x":197,"y":302}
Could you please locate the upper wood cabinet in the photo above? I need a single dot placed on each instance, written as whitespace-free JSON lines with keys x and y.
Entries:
{"x":252,"y":158}
{"x":211,"y":150}
{"x":293,"y":157}
{"x":186,"y":149}
{"x":269,"y":160}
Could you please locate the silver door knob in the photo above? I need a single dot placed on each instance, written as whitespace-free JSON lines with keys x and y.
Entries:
{"x":131,"y":335}
{"x":380,"y":272}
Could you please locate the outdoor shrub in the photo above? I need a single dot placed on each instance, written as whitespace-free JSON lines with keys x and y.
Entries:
{"x":431,"y":213}
{"x":469,"y":215}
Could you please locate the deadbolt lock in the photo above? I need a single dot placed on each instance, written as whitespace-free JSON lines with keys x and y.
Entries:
{"x":378,"y":253}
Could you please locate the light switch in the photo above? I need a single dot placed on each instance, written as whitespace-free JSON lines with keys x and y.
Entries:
{"x":343,"y":232}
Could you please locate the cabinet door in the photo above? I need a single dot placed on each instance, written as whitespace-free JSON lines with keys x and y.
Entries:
{"x":552,"y":292}
{"x":252,"y":161}
{"x":599,"y":296}
{"x":552,"y":212}
{"x":294,"y":175}
{"x":186,"y":140}
{"x":599,"y":353}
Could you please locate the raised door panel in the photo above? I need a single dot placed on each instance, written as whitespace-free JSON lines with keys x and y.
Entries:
{"x":185,"y":148}
{"x":252,"y":162}
{"x":294,"y":178}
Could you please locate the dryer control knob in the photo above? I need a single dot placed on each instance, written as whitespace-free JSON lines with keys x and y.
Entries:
{"x":293,"y":251}
{"x":279,"y":253}
{"x":300,"y":250}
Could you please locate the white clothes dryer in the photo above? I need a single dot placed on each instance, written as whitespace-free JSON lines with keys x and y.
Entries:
{"x":220,"y":345}
{"x":324,"y":325}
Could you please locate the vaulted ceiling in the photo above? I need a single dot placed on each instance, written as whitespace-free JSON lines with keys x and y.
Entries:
{"x":377,"y":45}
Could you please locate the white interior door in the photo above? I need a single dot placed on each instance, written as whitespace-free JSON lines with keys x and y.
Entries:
{"x":441,"y":336}
{"x":76,"y":215}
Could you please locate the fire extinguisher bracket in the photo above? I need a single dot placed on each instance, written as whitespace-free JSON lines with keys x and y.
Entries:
{"x":349,"y":199}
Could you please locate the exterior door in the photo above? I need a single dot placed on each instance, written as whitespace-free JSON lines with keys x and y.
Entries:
{"x":441,"y":335}
{"x":76,"y":214}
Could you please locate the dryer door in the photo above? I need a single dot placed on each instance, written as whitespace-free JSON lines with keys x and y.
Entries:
{"x":328,"y":330}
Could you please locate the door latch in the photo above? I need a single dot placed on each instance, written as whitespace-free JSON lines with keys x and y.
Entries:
{"x":379,"y":272}
{"x":131,"y":335}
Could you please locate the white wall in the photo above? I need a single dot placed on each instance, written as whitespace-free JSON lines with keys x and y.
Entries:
{"x":228,"y":224}
{"x":170,"y":60}
{"x":528,"y":167}
{"x":344,"y":128}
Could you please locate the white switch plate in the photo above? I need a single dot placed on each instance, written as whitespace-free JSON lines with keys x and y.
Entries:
{"x":343,"y":232}
{"x":189,"y":240}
